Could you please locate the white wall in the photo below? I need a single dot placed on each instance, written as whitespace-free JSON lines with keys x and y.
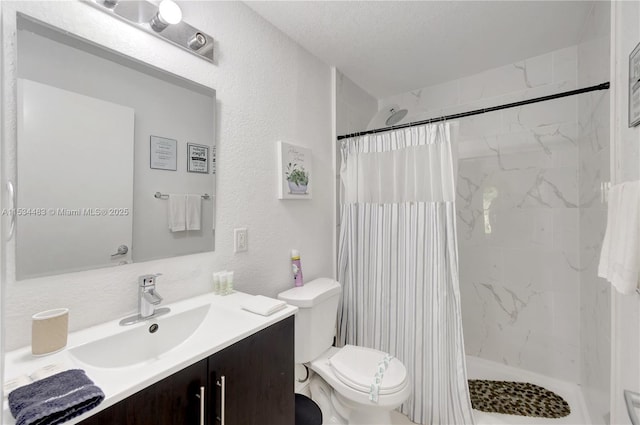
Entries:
{"x":593,"y":153}
{"x":268,"y":88}
{"x":354,"y":106}
{"x":3,"y":221}
{"x":517,"y":211}
{"x":625,"y":166}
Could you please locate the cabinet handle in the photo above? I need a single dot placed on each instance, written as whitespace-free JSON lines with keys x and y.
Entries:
{"x":222,"y":384}
{"x":201,"y":397}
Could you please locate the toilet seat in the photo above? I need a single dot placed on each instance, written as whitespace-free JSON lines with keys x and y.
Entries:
{"x":360,"y":396}
{"x":356,"y":367}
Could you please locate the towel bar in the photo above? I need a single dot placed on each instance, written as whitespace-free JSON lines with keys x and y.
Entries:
{"x":159,"y":195}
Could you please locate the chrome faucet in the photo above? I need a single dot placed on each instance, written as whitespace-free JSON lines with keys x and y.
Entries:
{"x":148,"y":297}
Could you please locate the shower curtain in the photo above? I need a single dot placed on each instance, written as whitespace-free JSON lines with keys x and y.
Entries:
{"x":398,"y":264}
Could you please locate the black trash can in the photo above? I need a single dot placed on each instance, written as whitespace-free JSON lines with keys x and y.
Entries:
{"x":307,"y":411}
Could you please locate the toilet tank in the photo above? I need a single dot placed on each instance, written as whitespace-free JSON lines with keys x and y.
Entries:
{"x":317,"y":303}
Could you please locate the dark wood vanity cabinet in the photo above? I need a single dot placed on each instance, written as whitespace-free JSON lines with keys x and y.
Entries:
{"x":254,"y":377}
{"x":258,"y":379}
{"x":171,"y":401}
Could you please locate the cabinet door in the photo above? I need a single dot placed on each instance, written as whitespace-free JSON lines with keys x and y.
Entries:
{"x":258,"y":379}
{"x":172,"y":401}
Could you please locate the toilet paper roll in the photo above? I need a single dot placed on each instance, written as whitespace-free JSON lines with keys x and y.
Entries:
{"x":49,"y":330}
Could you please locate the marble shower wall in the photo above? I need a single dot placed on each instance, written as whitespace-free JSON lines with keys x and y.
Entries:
{"x":517,"y":210}
{"x":593,"y":155}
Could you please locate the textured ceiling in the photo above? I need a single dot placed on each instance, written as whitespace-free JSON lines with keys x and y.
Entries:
{"x":390,"y":47}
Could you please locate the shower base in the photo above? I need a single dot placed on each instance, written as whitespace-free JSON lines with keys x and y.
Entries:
{"x":478,"y":368}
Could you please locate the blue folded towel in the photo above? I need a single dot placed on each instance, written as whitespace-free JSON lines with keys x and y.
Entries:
{"x":54,"y":399}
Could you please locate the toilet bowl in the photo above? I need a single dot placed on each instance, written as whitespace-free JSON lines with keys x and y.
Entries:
{"x":322,"y":393}
{"x":347,"y":377}
{"x":365,"y":385}
{"x":346,"y":370}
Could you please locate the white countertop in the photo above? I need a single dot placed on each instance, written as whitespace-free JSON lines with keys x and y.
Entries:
{"x":119,"y":383}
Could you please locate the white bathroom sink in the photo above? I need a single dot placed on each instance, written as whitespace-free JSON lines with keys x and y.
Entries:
{"x":123,"y":360}
{"x":139,"y":344}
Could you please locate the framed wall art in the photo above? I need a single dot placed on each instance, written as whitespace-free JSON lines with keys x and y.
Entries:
{"x":163,"y":153}
{"x":197,"y":158}
{"x":294,"y":172}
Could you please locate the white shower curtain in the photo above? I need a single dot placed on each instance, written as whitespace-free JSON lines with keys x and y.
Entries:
{"x":398,"y":264}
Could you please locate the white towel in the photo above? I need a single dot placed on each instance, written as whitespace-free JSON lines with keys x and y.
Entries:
{"x":177,"y":212}
{"x":263,"y":305}
{"x":620,"y":254}
{"x":194,"y":212}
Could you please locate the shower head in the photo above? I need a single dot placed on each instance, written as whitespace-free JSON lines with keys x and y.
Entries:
{"x":396,"y":116}
{"x":387,"y":116}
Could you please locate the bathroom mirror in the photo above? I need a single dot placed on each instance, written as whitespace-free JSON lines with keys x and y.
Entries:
{"x":103,"y":139}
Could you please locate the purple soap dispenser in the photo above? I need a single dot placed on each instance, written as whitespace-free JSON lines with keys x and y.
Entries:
{"x":296,"y":267}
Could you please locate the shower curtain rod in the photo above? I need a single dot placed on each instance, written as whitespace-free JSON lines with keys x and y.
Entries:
{"x":603,"y":86}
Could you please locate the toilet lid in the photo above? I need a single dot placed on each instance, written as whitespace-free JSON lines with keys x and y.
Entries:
{"x":357,"y":367}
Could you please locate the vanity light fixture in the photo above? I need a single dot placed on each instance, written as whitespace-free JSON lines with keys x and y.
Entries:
{"x":169,"y":13}
{"x":164,"y":20}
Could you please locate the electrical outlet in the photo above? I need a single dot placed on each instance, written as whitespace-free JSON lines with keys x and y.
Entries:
{"x":240,"y":240}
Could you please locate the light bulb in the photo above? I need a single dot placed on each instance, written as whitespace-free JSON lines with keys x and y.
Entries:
{"x":169,"y":13}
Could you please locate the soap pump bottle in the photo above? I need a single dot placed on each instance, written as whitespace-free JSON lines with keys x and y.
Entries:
{"x":296,"y":268}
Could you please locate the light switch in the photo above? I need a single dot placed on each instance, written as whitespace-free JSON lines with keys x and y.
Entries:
{"x":240,"y":240}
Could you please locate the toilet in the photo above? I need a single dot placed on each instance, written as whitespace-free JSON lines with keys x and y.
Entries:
{"x":352,"y":385}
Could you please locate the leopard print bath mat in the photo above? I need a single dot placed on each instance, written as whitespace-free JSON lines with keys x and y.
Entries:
{"x":516,"y":398}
